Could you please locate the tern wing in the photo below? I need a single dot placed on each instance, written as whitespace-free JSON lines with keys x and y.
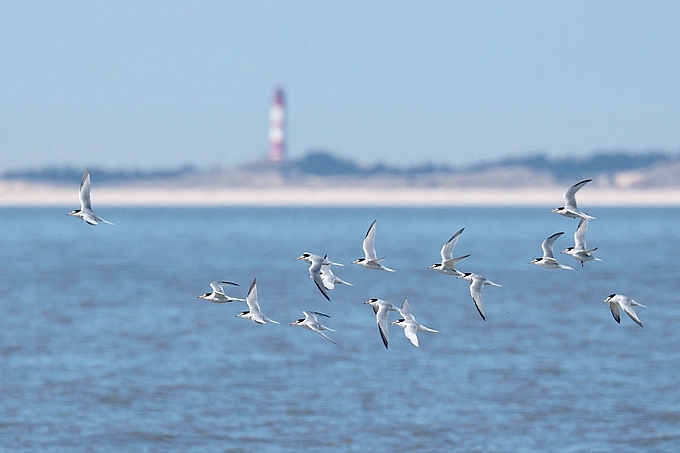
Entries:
{"x":450,"y":264}
{"x":570,"y":194}
{"x":381,"y":318}
{"x":324,"y":335}
{"x":369,"y":243}
{"x":614,"y":307}
{"x":629,"y":311}
{"x":103,"y":220}
{"x":223,"y":282}
{"x":217,"y":286}
{"x":405,"y":311}
{"x":476,"y":292}
{"x":411,"y":330}
{"x":89,"y":217}
{"x":312,"y":315}
{"x":580,"y":234}
{"x":309,"y":317}
{"x":327,"y":276}
{"x":547,"y":245}
{"x":320,"y":284}
{"x":447,"y":249}
{"x":85,"y":203}
{"x":251,"y":298}
{"x":328,"y":282}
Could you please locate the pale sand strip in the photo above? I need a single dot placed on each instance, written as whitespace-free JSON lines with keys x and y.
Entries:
{"x":21,"y":194}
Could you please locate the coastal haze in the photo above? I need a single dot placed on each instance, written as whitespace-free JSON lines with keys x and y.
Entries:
{"x":323,"y":179}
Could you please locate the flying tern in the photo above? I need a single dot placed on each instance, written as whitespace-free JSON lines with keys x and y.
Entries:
{"x":309,"y":257}
{"x":315,"y":263}
{"x":85,"y":212}
{"x":410,"y":325}
{"x":311,"y":322}
{"x":381,"y":308}
{"x":253,"y":313}
{"x":327,"y":276}
{"x":218,"y":295}
{"x":448,"y":261}
{"x":570,"y":209}
{"x":548,"y":261}
{"x":627,"y":304}
{"x":579,"y":251}
{"x":370,"y":259}
{"x":330,"y":279}
{"x":477,"y":282}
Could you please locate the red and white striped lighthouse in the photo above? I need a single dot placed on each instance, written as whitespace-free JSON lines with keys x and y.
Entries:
{"x":277,"y":127}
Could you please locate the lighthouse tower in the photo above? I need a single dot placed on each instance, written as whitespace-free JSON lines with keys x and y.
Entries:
{"x":277,"y":127}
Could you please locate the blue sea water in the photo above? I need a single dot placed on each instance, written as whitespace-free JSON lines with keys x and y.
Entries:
{"x":104,"y":345}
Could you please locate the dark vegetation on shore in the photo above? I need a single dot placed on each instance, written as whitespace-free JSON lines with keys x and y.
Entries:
{"x":325,"y":163}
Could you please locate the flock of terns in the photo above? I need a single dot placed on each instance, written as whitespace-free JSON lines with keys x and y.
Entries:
{"x":321,"y":274}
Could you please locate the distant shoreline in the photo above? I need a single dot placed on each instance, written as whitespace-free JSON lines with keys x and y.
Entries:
{"x":17,"y":194}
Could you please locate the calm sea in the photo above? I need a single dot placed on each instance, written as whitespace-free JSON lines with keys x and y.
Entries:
{"x":104,"y":345}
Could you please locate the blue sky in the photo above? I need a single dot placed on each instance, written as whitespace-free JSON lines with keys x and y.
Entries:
{"x":146,"y":84}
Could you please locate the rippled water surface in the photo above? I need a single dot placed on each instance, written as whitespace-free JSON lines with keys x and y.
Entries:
{"x":105,"y":346}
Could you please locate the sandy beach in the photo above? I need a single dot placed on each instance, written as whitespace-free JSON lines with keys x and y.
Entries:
{"x":22,"y":194}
